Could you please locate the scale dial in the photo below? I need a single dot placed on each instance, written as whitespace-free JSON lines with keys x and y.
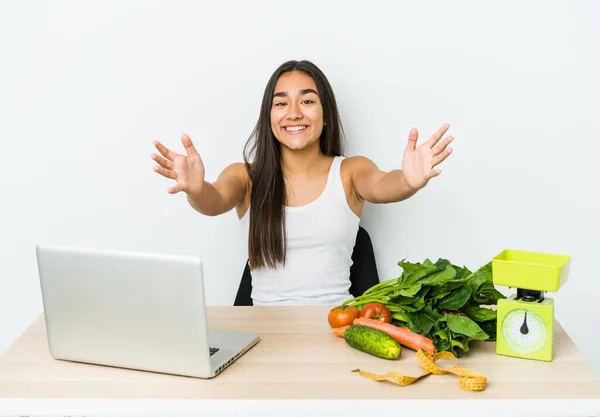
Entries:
{"x":524,"y":330}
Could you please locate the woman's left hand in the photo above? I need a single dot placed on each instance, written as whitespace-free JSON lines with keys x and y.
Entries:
{"x":418,"y":163}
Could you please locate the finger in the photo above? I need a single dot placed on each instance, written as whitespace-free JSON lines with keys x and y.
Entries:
{"x":189,"y":146}
{"x":413,"y":136}
{"x":435,"y":173}
{"x":174,"y":189}
{"x":441,"y":157}
{"x":165,"y":172}
{"x":167,"y":153}
{"x":438,"y":135}
{"x":441,"y":147}
{"x":162,"y":161}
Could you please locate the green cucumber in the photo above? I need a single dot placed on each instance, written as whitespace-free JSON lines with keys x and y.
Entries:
{"x":372,"y":341}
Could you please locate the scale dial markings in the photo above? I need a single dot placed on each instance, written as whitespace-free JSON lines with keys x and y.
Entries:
{"x":524,"y":330}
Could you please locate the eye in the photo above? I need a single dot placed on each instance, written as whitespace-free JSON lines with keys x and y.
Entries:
{"x":281,"y":103}
{"x":308,"y":101}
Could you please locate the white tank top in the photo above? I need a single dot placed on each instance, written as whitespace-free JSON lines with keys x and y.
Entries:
{"x":320,"y":241}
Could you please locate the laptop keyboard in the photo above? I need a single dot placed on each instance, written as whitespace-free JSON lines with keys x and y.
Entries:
{"x":213,"y":351}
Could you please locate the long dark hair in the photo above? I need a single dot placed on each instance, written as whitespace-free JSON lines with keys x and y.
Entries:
{"x":267,"y":238}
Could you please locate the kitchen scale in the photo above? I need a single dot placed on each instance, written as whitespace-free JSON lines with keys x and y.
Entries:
{"x":525,"y":326}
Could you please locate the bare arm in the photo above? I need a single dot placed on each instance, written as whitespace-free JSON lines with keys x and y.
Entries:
{"x":211,"y":199}
{"x":224,"y":194}
{"x":418,"y":163}
{"x":376,"y":186}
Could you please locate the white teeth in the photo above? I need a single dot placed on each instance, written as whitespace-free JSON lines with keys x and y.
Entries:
{"x":295,"y":128}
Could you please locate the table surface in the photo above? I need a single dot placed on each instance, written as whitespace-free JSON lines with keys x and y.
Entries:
{"x":297,"y":358}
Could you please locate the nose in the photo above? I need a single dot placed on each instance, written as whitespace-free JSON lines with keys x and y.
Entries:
{"x":294,"y":111}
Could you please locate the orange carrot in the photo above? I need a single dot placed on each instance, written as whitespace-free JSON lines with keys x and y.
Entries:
{"x":339,"y":331}
{"x":402,"y":335}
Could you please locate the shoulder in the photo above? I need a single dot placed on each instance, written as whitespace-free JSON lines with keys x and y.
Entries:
{"x":354,"y":164}
{"x":236,"y":171}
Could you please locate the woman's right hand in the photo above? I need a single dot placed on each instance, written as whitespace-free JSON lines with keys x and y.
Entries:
{"x":186,"y":170}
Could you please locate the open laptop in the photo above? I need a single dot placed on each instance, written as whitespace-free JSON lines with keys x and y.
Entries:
{"x":133,"y":310}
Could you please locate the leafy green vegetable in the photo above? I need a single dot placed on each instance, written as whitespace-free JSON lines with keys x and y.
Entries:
{"x":422,"y":321}
{"x":441,"y":301}
{"x":410,"y":291}
{"x":465,"y":326}
{"x":488,"y":294}
{"x":479,"y":314}
{"x":461,"y":342}
{"x":441,"y":340}
{"x":490,"y":328}
{"x":417,"y":273}
{"x":456,"y":299}
{"x":440,"y":277}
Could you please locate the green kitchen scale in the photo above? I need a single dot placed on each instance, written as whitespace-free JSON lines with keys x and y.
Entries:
{"x":525,"y":326}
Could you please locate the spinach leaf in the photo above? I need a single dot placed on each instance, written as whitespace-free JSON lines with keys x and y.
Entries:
{"x":440,"y":296}
{"x":439,"y":277}
{"x":461,"y":342}
{"x":427,"y":268}
{"x":456,"y":299}
{"x":404,"y":301}
{"x":488,"y":294}
{"x":441,"y":338}
{"x":440,"y":291}
{"x":479,"y":277}
{"x":490,"y":328}
{"x":422,"y":321}
{"x":462,"y":273}
{"x":465,"y":326}
{"x":480,"y":314}
{"x":417,"y":305}
{"x":408,"y":267}
{"x":441,"y":345}
{"x":442,"y":263}
{"x":410,"y":291}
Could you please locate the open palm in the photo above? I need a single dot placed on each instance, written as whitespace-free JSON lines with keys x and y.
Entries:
{"x":418,"y":163}
{"x":187,"y":170}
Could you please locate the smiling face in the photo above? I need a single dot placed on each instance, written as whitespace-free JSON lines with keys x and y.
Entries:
{"x":296,"y":113}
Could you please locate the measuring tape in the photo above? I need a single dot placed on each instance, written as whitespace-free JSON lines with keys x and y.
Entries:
{"x":468,"y":380}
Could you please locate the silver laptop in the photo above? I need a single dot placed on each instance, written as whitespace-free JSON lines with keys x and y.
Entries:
{"x":133,"y":310}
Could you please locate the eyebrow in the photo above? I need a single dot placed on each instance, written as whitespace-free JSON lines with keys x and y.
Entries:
{"x":302,"y":92}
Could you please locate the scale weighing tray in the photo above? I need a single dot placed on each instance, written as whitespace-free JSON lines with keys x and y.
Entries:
{"x":531,"y":270}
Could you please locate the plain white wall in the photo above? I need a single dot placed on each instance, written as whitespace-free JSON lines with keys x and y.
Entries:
{"x":86,"y":86}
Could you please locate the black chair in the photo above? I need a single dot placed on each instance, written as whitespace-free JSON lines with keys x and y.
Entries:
{"x":363,"y":272}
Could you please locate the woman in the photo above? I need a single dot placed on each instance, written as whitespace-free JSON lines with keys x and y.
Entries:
{"x":298,"y":199}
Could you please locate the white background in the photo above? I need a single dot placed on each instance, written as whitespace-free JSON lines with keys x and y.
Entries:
{"x":86,"y":86}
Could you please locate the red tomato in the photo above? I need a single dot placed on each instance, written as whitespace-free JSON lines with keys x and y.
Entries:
{"x":342,"y":316}
{"x":376,"y":311}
